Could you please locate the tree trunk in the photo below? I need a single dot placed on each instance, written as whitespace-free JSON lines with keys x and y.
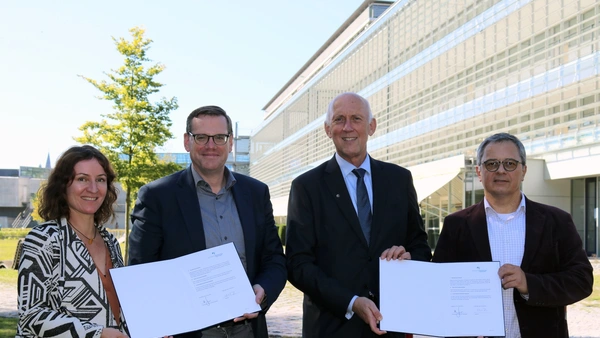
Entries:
{"x":127,"y":222}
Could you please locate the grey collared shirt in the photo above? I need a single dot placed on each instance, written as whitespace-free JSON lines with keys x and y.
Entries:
{"x":219,"y":215}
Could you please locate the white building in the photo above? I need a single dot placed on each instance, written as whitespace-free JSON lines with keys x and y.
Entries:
{"x":441,"y":76}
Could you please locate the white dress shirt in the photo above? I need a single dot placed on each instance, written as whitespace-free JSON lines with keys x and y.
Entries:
{"x":350,"y":179}
{"x":506,"y":233}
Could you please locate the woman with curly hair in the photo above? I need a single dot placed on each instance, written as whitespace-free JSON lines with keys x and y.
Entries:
{"x":65,"y":287}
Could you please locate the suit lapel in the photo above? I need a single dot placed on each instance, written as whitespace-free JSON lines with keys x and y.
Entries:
{"x":338,"y":190}
{"x":190,"y":209}
{"x":246,"y":215}
{"x":477,"y":223}
{"x":534,"y":227}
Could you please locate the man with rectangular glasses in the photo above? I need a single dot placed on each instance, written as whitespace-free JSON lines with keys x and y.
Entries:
{"x":543,"y":265}
{"x":206,"y":205}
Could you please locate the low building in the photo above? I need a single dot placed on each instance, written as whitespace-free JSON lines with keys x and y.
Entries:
{"x":19,"y":186}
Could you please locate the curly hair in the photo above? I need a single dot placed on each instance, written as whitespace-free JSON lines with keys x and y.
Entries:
{"x":53,"y":203}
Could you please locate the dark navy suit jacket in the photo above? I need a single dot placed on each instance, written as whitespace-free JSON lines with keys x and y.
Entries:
{"x":328,"y":257}
{"x":167,"y":224}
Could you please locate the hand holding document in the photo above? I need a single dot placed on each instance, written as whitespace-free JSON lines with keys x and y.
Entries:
{"x":441,"y":299}
{"x":184,"y":294}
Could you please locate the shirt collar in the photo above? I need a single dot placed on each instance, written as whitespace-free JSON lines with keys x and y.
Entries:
{"x":230,"y":179}
{"x":521,"y":206}
{"x":347,"y":167}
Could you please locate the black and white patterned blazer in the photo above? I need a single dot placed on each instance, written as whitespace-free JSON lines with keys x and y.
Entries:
{"x":60,"y":291}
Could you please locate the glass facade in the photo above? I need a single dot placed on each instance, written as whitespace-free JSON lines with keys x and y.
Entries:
{"x":585,"y":211}
{"x":443,"y":75}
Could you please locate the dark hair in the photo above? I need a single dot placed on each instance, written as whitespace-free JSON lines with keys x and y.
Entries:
{"x":53,"y":194}
{"x":210,"y":111}
{"x":501,"y":137}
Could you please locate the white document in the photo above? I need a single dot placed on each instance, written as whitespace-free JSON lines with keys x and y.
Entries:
{"x":441,"y":299}
{"x":184,"y":294}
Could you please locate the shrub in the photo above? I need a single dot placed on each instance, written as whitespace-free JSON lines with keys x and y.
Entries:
{"x":13,"y":233}
{"x":281,"y":232}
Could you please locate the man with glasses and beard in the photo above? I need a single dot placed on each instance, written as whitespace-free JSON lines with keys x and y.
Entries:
{"x":543,"y":265}
{"x":207,"y":205}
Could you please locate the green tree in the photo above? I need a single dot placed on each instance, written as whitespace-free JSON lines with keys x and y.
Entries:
{"x":129,"y":135}
{"x":35,"y":202}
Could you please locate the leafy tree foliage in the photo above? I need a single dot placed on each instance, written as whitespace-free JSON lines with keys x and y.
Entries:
{"x":129,"y":135}
{"x":35,"y":202}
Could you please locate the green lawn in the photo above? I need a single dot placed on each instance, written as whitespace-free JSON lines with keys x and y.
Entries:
{"x":8,"y":327}
{"x":8,"y":276}
{"x":7,"y":249}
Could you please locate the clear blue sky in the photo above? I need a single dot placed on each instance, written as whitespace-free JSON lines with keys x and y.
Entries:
{"x":236,"y":54}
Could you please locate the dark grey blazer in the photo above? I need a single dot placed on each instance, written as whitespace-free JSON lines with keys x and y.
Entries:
{"x":327,"y":255}
{"x":167,"y":223}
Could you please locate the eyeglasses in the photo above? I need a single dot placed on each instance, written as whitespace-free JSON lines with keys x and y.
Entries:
{"x":202,"y":139}
{"x":493,"y":165}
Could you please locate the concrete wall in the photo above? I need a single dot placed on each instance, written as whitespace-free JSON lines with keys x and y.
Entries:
{"x":16,"y":193}
{"x":9,"y":192}
{"x":553,"y":192}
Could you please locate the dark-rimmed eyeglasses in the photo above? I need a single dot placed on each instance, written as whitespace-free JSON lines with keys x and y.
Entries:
{"x":493,"y":165}
{"x":202,"y":139}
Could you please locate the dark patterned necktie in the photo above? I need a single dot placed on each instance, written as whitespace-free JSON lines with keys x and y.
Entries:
{"x":362,"y":203}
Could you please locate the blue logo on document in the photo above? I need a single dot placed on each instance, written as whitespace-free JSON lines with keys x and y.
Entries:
{"x":479,"y":269}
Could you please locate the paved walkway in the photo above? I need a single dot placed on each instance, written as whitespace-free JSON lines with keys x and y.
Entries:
{"x":285,"y":316}
{"x":8,"y":301}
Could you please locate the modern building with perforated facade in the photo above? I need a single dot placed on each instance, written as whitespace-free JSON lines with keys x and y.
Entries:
{"x":441,"y":76}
